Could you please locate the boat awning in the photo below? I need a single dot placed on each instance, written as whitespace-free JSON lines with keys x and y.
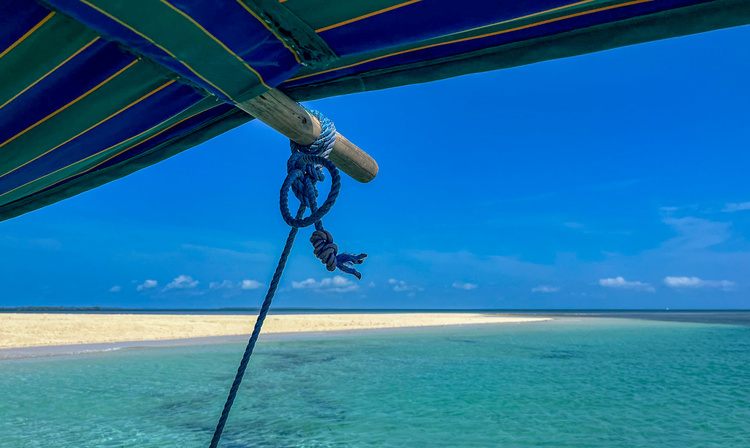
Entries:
{"x":92,"y":90}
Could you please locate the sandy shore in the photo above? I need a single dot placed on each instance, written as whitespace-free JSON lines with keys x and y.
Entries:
{"x":34,"y":330}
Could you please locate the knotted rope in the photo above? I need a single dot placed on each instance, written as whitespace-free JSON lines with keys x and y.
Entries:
{"x":304,"y":170}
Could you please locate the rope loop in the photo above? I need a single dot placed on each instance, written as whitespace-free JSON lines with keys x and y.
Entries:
{"x":304,"y":188}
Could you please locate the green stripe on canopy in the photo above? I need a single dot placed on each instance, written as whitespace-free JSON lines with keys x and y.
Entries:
{"x":96,"y":105}
{"x":190,"y":42}
{"x":93,"y":162}
{"x":54,"y":42}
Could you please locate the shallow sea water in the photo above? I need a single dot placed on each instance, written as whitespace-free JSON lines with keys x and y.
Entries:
{"x":568,"y":383}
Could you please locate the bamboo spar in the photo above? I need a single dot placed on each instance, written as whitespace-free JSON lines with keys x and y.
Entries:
{"x":286,"y":116}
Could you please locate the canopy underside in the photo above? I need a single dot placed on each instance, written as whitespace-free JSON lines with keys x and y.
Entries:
{"x":91,"y":91}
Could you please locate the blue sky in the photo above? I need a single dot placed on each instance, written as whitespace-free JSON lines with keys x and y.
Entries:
{"x":611,"y":180}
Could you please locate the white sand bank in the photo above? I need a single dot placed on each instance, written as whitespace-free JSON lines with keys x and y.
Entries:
{"x":33,"y":330}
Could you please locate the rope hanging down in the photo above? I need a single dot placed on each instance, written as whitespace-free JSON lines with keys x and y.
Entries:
{"x":304,"y":170}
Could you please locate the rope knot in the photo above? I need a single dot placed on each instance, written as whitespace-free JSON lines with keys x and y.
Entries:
{"x":327,"y":251}
{"x":324,"y":248}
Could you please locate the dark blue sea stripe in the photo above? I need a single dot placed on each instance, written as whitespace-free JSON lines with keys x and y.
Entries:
{"x":242,"y":33}
{"x":426,"y":20}
{"x":85,"y":71}
{"x":148,"y":113}
{"x":547,"y":29}
{"x":17,"y":17}
{"x":119,"y":33}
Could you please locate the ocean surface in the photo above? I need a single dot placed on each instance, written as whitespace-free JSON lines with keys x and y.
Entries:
{"x":573,"y":382}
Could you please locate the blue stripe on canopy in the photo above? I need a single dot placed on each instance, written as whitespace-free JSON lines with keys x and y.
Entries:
{"x":155,"y":109}
{"x":245,"y":35}
{"x":190,"y":124}
{"x":427,"y":19}
{"x":185,"y":127}
{"x":85,"y":71}
{"x":16,"y":19}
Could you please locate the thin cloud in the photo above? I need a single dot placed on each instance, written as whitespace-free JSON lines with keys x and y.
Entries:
{"x":148,"y":284}
{"x":545,"y":289}
{"x":696,"y":282}
{"x":250,"y":284}
{"x":736,"y":207}
{"x":465,"y":286}
{"x":402,"y":286}
{"x":226,"y":284}
{"x":335,"y":284}
{"x":621,"y":283}
{"x":116,"y":288}
{"x":696,"y":233}
{"x":447,"y":263}
{"x":182,"y":282}
{"x":614,"y":185}
{"x":573,"y":225}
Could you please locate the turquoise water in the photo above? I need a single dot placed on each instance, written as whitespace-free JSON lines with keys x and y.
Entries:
{"x":568,"y":383}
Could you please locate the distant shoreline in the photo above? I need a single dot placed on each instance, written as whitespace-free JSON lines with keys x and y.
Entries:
{"x":46,"y":351}
{"x":306,"y":310}
{"x":35,"y":333}
{"x":59,"y":329}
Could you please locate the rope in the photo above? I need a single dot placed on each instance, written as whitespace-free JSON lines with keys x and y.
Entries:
{"x":304,"y":170}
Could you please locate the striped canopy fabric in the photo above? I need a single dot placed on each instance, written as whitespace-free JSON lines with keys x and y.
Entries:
{"x":92,"y":90}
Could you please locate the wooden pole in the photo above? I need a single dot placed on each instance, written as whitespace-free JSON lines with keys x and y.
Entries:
{"x":286,"y":116}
